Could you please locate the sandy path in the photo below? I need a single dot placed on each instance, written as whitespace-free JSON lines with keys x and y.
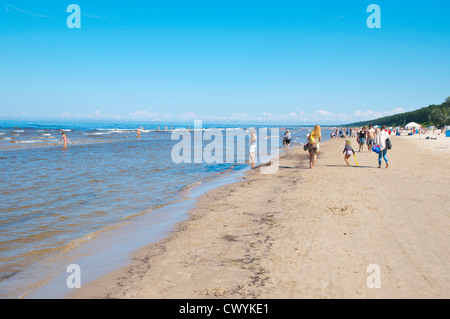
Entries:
{"x":304,"y":233}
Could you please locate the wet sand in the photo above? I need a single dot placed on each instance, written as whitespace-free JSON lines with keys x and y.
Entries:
{"x":303,"y":233}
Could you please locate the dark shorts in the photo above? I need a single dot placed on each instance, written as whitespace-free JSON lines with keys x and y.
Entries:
{"x":370,"y":141}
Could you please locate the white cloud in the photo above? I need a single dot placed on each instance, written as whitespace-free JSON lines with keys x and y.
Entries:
{"x":301,"y":117}
{"x":395,"y":111}
{"x":371,"y":115}
{"x":323,"y":113}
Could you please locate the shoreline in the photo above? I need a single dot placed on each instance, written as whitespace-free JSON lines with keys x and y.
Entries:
{"x":303,"y":233}
{"x":138,"y":255}
{"x":109,"y":249}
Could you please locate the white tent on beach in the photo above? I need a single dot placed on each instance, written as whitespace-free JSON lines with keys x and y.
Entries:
{"x":412,"y":125}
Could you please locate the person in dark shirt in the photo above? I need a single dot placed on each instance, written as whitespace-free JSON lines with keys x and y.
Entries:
{"x":362,"y":138}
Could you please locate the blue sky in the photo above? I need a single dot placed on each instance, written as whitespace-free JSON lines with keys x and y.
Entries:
{"x":296,"y":62}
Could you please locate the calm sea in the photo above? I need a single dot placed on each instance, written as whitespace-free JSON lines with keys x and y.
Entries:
{"x":53,"y":200}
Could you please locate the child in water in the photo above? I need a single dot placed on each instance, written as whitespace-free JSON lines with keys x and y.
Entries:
{"x":64,"y":137}
{"x":348,"y":150}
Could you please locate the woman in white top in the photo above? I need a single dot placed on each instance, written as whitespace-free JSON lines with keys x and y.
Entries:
{"x":382,"y":136}
{"x":287,"y":139}
{"x":253,"y":143}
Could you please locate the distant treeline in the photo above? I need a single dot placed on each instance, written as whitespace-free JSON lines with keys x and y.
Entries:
{"x":433,"y":115}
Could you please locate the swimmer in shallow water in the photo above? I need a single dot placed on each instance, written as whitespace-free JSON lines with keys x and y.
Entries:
{"x":64,"y":137}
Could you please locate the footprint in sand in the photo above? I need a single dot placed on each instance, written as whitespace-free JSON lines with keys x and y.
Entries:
{"x":341,"y":211}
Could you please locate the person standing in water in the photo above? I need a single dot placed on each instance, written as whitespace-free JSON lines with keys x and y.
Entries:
{"x":313,"y":145}
{"x":139,"y":132}
{"x":64,"y":138}
{"x":253,"y":143}
{"x":287,"y":139}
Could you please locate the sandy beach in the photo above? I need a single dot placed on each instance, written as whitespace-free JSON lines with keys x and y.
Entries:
{"x":303,"y":233}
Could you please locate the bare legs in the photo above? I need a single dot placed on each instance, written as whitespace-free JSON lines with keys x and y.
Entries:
{"x":312,"y":160}
{"x":346,"y":159}
{"x":252,"y":159}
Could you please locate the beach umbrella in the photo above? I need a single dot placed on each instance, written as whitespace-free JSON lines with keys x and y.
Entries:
{"x":412,"y":125}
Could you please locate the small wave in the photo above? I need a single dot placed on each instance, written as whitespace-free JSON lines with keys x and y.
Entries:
{"x":189,"y":186}
{"x":46,"y":134}
{"x":76,"y":242}
{"x":124,"y":131}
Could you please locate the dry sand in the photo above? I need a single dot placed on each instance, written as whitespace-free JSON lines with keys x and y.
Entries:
{"x":303,"y":233}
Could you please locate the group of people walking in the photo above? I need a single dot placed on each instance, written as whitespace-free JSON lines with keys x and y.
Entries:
{"x":379,"y":138}
{"x":371,"y":137}
{"x":366,"y":136}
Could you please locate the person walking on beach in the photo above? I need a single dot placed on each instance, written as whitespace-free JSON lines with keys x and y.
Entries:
{"x":370,"y":137}
{"x":362,"y":138}
{"x":64,"y":138}
{"x":287,"y":139}
{"x":253,"y":143}
{"x":314,"y":142}
{"x":382,"y":136}
{"x":349,"y":151}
